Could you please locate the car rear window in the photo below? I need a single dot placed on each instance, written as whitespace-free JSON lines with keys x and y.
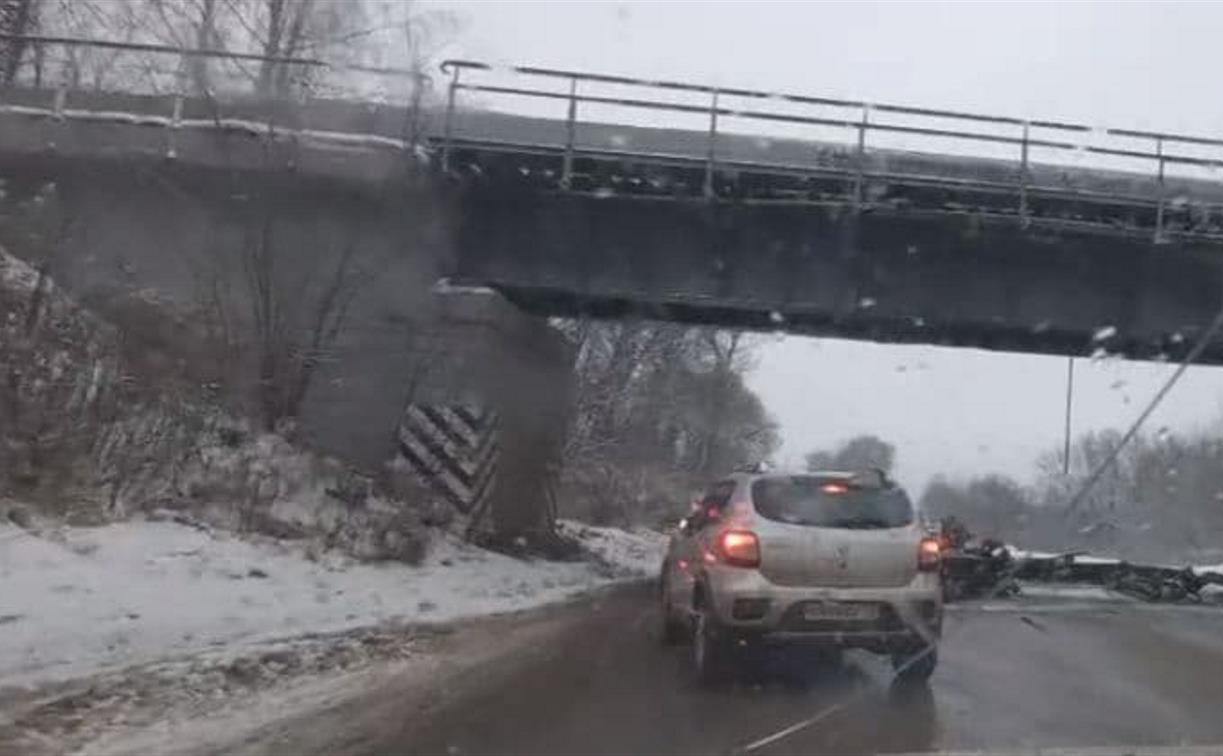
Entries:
{"x":830,"y":503}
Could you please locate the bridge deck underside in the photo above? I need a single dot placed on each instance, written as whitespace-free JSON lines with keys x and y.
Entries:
{"x":919,"y":261}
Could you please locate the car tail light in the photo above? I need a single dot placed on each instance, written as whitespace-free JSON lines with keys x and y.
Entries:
{"x":740,"y":548}
{"x":929,"y":554}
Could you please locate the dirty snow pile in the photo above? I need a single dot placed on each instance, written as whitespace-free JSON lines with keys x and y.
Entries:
{"x":75,"y":602}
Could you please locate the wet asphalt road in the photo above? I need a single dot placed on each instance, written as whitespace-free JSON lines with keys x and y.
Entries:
{"x":1041,"y":672}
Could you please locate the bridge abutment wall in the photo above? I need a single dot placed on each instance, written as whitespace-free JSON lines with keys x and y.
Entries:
{"x":203,"y":266}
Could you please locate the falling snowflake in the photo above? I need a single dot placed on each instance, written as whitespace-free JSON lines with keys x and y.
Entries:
{"x":1105,"y":333}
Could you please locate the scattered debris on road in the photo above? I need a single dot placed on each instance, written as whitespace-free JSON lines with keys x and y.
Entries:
{"x":973,"y":570}
{"x":977,"y":568}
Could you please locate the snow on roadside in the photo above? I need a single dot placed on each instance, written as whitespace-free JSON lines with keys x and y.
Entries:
{"x":1017,"y":553}
{"x":1077,"y":556}
{"x":631,"y":553}
{"x":1080,"y":592}
{"x":87,"y":600}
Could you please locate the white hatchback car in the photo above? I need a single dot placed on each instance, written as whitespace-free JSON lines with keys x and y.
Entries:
{"x":829,"y":559}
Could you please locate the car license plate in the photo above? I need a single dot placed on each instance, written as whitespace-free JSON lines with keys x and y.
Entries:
{"x":828,"y":611}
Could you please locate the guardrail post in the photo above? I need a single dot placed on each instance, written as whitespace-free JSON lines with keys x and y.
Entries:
{"x":711,"y":154}
{"x":1159,"y":209}
{"x":1023,"y":177}
{"x":176,"y":121}
{"x":176,"y":111}
{"x":859,"y":179}
{"x":570,"y":126}
{"x":39,"y":59}
{"x":447,"y":128}
{"x":59,"y":101}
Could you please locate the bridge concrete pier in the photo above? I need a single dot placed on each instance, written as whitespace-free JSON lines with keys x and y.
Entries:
{"x":515,"y":368}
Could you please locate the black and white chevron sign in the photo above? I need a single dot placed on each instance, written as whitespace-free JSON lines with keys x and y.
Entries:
{"x":453,"y":448}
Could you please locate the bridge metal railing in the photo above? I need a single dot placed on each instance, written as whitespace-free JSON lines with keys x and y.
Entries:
{"x":141,"y":65}
{"x":151,"y":84}
{"x":1160,"y":173}
{"x":1158,"y":158}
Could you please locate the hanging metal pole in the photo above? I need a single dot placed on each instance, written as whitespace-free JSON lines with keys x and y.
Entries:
{"x":570,"y":127}
{"x":713,"y":140}
{"x":454,"y":84}
{"x":1023,"y":178}
{"x":859,"y":179}
{"x":1069,"y":398}
{"x":1205,"y":340}
{"x":1159,"y":211}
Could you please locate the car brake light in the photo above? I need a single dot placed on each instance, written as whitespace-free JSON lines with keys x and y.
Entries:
{"x":834,"y":488}
{"x":740,"y":548}
{"x":929,"y":554}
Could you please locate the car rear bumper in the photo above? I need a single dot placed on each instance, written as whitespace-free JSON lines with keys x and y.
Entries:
{"x":875,"y":641}
{"x":750,"y":606}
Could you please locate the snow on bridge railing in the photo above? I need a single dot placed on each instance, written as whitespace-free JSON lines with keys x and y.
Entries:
{"x":1027,"y":159}
{"x":155,"y":84}
{"x":141,"y":66}
{"x":1155,"y":169}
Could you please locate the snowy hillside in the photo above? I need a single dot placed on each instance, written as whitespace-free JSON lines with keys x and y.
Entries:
{"x":79,"y":601}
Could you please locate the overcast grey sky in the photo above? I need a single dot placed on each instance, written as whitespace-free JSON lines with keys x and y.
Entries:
{"x":958,"y":412}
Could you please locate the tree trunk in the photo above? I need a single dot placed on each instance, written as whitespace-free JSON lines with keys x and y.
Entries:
{"x":271,"y":46}
{"x":291,"y":46}
{"x":16,"y":17}
{"x":723,"y":368}
{"x":205,"y":39}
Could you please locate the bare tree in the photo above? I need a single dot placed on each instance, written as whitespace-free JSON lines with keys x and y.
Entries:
{"x":858,"y":453}
{"x":295,"y":318}
{"x":284,"y":33}
{"x":17,"y":17}
{"x":990,"y":505}
{"x":659,"y":406}
{"x":351,"y":37}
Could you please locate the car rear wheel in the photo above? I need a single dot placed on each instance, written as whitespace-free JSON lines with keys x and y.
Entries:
{"x":710,"y":648}
{"x":671,"y":631}
{"x":917,"y":666}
